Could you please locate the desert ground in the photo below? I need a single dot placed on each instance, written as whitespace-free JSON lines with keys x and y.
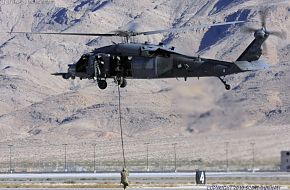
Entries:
{"x":40,"y":112}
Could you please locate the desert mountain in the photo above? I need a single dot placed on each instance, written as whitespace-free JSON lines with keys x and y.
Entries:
{"x":36,"y":107}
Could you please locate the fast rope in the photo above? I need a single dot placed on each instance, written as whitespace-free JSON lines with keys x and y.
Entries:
{"x":121,"y":128}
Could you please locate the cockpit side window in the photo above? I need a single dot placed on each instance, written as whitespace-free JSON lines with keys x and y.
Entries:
{"x":82,"y":63}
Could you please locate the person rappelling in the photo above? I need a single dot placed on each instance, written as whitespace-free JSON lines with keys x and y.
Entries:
{"x":124,"y":178}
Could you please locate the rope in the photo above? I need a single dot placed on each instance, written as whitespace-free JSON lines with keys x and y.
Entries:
{"x":121,"y":128}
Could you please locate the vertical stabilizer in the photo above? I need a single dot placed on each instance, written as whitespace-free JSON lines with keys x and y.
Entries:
{"x":254,"y":50}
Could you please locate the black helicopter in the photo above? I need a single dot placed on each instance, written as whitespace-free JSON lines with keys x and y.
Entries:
{"x":148,"y":61}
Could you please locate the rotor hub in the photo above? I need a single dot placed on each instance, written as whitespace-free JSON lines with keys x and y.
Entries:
{"x":262,"y":33}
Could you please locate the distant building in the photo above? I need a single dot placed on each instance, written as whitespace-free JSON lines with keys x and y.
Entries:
{"x":285,"y":161}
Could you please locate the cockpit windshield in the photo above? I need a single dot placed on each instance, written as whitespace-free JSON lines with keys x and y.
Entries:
{"x":82,"y":64}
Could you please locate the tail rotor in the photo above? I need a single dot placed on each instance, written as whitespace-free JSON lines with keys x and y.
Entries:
{"x":263,"y":32}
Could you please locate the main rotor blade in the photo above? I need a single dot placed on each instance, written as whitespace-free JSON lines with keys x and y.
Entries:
{"x":188,"y":28}
{"x":132,"y":33}
{"x":68,"y":34}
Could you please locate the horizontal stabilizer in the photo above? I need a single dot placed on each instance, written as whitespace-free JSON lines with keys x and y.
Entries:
{"x":252,"y":66}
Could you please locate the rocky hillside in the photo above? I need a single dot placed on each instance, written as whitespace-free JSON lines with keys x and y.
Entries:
{"x":38,"y":107}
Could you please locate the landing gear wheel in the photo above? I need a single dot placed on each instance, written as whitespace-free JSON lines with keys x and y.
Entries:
{"x":102,"y":84}
{"x":228,"y":87}
{"x":123,"y":83}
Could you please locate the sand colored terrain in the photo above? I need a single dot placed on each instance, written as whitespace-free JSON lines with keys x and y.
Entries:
{"x":38,"y":109}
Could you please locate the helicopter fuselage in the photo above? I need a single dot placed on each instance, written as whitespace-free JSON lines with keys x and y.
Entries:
{"x":146,"y":61}
{"x":149,"y":61}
